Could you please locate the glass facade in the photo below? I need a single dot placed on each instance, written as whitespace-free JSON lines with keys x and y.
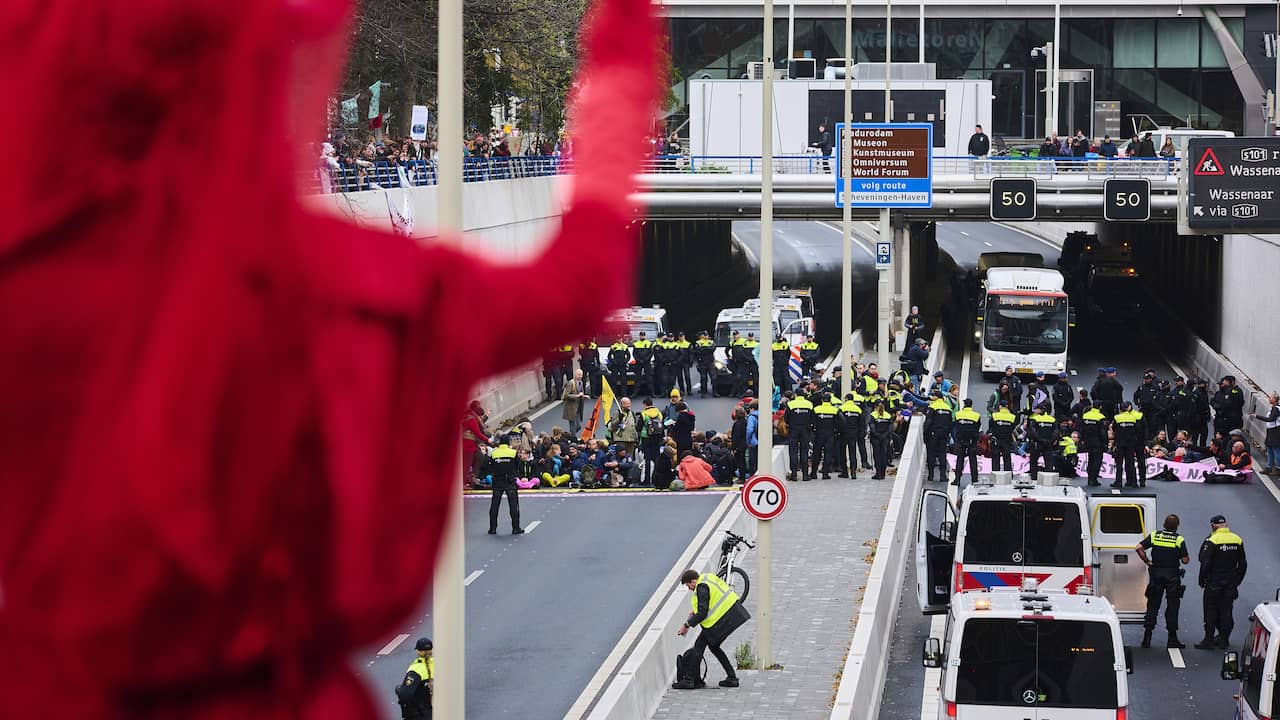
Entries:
{"x":1170,"y":69}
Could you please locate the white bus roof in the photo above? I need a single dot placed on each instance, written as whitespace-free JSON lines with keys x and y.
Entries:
{"x":779,"y":303}
{"x":1014,"y":603}
{"x":637,"y":313}
{"x":1031,"y":280}
{"x":742,"y":313}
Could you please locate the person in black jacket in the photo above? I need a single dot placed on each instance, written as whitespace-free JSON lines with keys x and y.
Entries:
{"x":1062,"y":396}
{"x":414,"y":692}
{"x":979,"y":143}
{"x":682,"y":430}
{"x":1107,"y":391}
{"x":738,"y":439}
{"x":1200,"y":413}
{"x":715,"y":630}
{"x":825,"y":144}
{"x":1222,"y":568}
{"x":1228,"y":406}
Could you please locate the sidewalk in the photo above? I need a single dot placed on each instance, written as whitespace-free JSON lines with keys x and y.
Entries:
{"x":822,"y":549}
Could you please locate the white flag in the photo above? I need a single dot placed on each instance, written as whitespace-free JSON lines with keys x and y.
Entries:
{"x":401,"y":221}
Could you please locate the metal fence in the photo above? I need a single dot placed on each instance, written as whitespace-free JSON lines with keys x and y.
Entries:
{"x":813,"y":164}
{"x":382,"y":174}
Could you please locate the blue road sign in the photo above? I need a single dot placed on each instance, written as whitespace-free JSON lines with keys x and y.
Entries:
{"x":890,"y":165}
{"x":884,"y":255}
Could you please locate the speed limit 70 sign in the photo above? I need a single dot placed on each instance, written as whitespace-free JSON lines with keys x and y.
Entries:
{"x":764,"y":497}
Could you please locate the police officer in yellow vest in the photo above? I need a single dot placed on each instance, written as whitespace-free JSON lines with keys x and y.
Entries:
{"x":1093,"y":435}
{"x":1130,"y":432}
{"x":1164,"y":578}
{"x":642,"y":354}
{"x":1067,"y":456}
{"x":937,"y":431}
{"x":968,"y":426}
{"x":799,"y":418}
{"x":781,"y":363}
{"x":1001,"y":427}
{"x":809,"y":355}
{"x":1222,"y":569}
{"x":502,"y":469}
{"x":824,"y":437}
{"x":704,"y":356}
{"x":1042,"y":440}
{"x":718,"y":610}
{"x":684,"y":361}
{"x":414,"y":692}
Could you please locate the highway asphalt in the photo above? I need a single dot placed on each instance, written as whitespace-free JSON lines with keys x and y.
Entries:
{"x":1158,"y":688}
{"x":544,"y":609}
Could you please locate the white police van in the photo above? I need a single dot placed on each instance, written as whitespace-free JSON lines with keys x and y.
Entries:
{"x":1020,"y":653}
{"x":1007,"y":531}
{"x":1257,"y":665}
{"x":626,"y":325}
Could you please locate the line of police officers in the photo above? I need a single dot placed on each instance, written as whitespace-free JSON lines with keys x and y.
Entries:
{"x":824,"y":432}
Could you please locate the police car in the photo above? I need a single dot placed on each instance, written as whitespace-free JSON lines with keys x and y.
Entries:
{"x":626,"y":325}
{"x":1257,"y":665}
{"x":1018,"y":652}
{"x":1008,"y":531}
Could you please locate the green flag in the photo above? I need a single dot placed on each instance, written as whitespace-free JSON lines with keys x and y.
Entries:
{"x":351,"y":111}
{"x":375,"y":92}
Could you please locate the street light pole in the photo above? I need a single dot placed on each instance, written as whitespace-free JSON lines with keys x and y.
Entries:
{"x":1057,"y":44}
{"x":764,"y":382}
{"x":846,"y":227}
{"x":449,"y":592}
{"x":886,"y":228}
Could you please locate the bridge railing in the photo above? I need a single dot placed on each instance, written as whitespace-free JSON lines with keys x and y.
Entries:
{"x":813,"y":164}
{"x":382,"y":174}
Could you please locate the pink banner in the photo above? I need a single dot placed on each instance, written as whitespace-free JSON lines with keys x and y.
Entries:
{"x":1185,"y":472}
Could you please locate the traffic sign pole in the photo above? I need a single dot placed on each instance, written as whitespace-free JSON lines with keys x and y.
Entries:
{"x":764,"y":381}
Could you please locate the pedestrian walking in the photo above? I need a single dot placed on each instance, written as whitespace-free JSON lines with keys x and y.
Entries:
{"x":1168,"y":553}
{"x":718,"y":611}
{"x":572,"y":396}
{"x":414,"y":692}
{"x":1222,"y":569}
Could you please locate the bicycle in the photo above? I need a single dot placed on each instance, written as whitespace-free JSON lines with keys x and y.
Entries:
{"x":735,"y":576}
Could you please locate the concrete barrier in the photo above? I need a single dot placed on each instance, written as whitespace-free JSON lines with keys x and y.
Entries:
{"x":507,"y":397}
{"x":862,"y":679}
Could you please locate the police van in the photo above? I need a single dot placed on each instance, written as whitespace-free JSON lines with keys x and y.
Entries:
{"x":1257,"y":665}
{"x":1012,"y":653}
{"x":626,"y":325}
{"x":1008,"y":531}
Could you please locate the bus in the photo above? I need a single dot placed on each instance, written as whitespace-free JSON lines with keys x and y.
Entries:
{"x":1022,"y":321}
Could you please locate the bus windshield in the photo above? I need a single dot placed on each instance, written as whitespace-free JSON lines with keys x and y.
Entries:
{"x":999,"y":532}
{"x":724,"y":330}
{"x":1025,"y":323}
{"x":1045,"y":663}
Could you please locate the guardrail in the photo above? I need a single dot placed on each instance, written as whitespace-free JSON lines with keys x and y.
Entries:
{"x":867,"y":664}
{"x":420,"y":173}
{"x":987,"y":167}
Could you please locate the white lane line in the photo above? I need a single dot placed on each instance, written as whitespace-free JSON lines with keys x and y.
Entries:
{"x":395,"y":643}
{"x":1024,"y":233}
{"x":857,"y":239}
{"x":751,"y":255}
{"x":472,"y":577}
{"x":542,"y":411}
{"x":529,"y":528}
{"x":1175,"y":657}
{"x":932,"y":676}
{"x":984,"y":242}
{"x":964,"y":233}
{"x":1269,"y":485}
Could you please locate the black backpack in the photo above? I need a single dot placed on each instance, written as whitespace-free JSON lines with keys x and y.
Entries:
{"x":690,"y":673}
{"x":653,"y":426}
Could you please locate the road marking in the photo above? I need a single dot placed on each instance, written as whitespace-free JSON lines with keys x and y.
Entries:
{"x":932,"y":676}
{"x":1024,"y":233}
{"x":1269,"y":485}
{"x":857,"y":239}
{"x":966,"y":234}
{"x":472,"y":577}
{"x":751,"y":255}
{"x":529,"y":528}
{"x":395,"y":643}
{"x":542,"y":411}
{"x":984,"y":242}
{"x":1175,"y":657}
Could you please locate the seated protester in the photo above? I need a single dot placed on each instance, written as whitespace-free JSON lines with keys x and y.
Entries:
{"x":1068,"y":454}
{"x":526,"y":470}
{"x":580,"y":469}
{"x":624,"y":466}
{"x":554,"y":468}
{"x":1239,"y":460}
{"x":1183,"y":451}
{"x":694,"y":472}
{"x":1158,"y":446}
{"x":721,"y":460}
{"x":597,"y":455}
{"x":664,"y":468}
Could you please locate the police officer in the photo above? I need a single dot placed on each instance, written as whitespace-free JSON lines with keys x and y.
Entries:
{"x":781,"y":363}
{"x":852,"y":432}
{"x":1199,"y":426}
{"x":1000,"y":426}
{"x":1157,"y":415}
{"x":1222,"y":569}
{"x":719,"y":611}
{"x":1062,"y":397}
{"x":1179,"y":417}
{"x":1228,"y":406}
{"x":414,"y":692}
{"x":744,"y":364}
{"x":662,"y":363}
{"x":1107,"y":392}
{"x":1042,"y":440}
{"x":1145,"y":393}
{"x":704,"y":349}
{"x":1093,"y":435}
{"x":937,"y":431}
{"x":618,"y":360}
{"x":799,"y":419}
{"x":1164,"y":578}
{"x":824,"y":436}
{"x":683,"y":364}
{"x":880,"y":428}
{"x":642,"y":353}
{"x":967,"y":427}
{"x":809,"y":355}
{"x":589,"y":361}
{"x":502,"y":468}
{"x":564,"y":366}
{"x":1129,"y":428}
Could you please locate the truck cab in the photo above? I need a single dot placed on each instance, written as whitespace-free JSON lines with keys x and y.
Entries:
{"x":1257,"y":665}
{"x":1006,"y":532}
{"x":1011,"y":653}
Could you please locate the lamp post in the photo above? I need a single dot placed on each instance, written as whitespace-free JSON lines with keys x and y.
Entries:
{"x":884,"y":275}
{"x":764,"y":381}
{"x":846,"y":226}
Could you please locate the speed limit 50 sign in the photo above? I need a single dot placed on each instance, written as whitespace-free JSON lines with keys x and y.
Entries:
{"x":764,"y":497}
{"x":1126,"y":200}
